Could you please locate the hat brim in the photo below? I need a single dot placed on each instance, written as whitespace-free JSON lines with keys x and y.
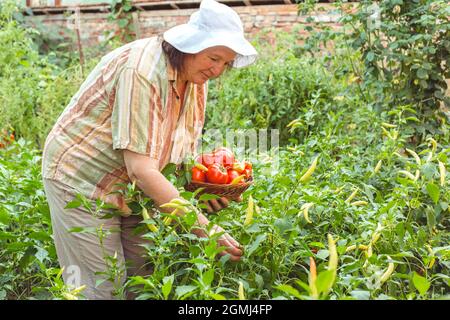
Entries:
{"x":189,"y":39}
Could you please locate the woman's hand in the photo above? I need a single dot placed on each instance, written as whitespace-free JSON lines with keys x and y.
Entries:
{"x":215,"y":205}
{"x":233,"y":247}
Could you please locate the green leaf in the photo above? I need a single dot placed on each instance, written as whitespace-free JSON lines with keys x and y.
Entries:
{"x":6,"y":235}
{"x":428,"y":170}
{"x":208,"y":277}
{"x":197,"y":191}
{"x":122,"y":23}
{"x":316,"y":244}
{"x":4,"y":217}
{"x":169,"y":169}
{"x":40,"y":235}
{"x":41,"y":254}
{"x":370,"y":56}
{"x":400,"y":230}
{"x":73,"y":204}
{"x":433,"y":192}
{"x":190,"y":218}
{"x":259,"y":281}
{"x":323,"y":254}
{"x":18,"y":246}
{"x":202,"y":206}
{"x":187,"y":195}
{"x":291,"y":291}
{"x":25,"y":63}
{"x":431,"y":218}
{"x":439,"y":94}
{"x":304,"y":285}
{"x":83,"y":230}
{"x":325,"y":281}
{"x":217,"y":296}
{"x":98,"y":282}
{"x":211,"y":250}
{"x":224,"y":259}
{"x":360,"y":294}
{"x":27,"y":257}
{"x":207,"y":196}
{"x":283,"y":225}
{"x":167,"y":286}
{"x":421,"y":283}
{"x":183,"y":292}
{"x":255,"y":244}
{"x":422,"y":74}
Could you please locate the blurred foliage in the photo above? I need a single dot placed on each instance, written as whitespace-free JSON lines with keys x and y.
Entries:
{"x":405,"y":49}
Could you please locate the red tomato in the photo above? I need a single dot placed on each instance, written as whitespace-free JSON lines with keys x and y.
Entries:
{"x":224,"y":156}
{"x":205,"y":159}
{"x":248,"y":171}
{"x":232,"y":174}
{"x":217,"y":174}
{"x":198,"y":175}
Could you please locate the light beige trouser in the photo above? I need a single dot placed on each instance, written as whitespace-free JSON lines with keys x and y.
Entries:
{"x":81,"y":254}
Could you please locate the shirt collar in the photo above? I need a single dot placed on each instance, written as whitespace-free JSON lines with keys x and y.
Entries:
{"x":172,"y":74}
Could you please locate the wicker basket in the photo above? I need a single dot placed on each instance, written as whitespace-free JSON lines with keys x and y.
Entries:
{"x":223,"y":190}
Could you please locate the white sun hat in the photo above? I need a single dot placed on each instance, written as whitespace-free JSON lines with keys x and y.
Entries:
{"x":214,"y":24}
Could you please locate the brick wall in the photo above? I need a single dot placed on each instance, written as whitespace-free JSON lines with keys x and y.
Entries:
{"x":152,"y":22}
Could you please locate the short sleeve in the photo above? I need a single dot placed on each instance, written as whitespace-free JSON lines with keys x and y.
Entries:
{"x":137,"y":115}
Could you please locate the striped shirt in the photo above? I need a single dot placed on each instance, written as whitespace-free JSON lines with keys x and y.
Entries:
{"x":129,"y":101}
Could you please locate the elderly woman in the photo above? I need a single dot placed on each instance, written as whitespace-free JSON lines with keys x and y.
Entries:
{"x":140,"y":108}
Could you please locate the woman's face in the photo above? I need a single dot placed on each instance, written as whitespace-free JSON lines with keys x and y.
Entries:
{"x":207,"y":64}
